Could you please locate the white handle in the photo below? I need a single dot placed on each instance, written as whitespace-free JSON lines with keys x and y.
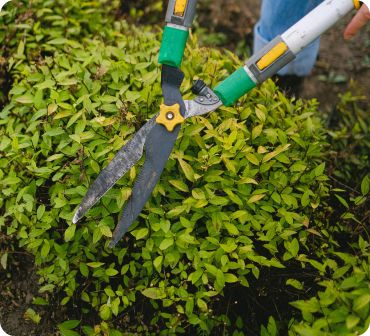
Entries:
{"x":315,"y":23}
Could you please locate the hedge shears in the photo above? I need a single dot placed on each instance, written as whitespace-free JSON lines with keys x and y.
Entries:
{"x":158,"y":136}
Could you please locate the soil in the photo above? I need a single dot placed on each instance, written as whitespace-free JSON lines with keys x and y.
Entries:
{"x":341,"y":66}
{"x":18,"y":287}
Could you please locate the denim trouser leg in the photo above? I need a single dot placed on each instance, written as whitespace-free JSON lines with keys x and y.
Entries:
{"x":276,"y":17}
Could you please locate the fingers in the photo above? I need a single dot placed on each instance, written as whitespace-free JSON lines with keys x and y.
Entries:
{"x":361,"y":18}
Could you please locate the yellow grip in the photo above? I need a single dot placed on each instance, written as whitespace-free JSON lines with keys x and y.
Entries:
{"x":272,"y":55}
{"x":180,"y":7}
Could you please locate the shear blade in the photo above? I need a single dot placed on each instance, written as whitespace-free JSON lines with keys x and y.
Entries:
{"x":119,"y":166}
{"x":158,"y":146}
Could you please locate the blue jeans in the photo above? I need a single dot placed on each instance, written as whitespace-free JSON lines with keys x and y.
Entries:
{"x":276,"y":17}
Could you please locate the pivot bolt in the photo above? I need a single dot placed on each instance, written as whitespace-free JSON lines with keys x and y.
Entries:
{"x":170,"y":116}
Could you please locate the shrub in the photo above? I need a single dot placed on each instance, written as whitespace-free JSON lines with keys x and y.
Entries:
{"x":342,"y":307}
{"x":237,"y":197}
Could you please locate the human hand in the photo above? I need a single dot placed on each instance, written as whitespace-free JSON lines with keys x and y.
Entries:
{"x":360,"y":19}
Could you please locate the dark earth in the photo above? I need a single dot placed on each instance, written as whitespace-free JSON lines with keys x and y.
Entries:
{"x":342,"y":66}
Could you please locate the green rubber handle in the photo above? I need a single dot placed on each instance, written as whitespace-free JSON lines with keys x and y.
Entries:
{"x":234,"y":86}
{"x":173,"y":46}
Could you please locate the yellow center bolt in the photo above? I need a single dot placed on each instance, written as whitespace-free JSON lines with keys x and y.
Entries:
{"x":170,"y":116}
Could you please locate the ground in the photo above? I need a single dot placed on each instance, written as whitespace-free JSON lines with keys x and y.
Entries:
{"x":18,"y":287}
{"x":341,"y":65}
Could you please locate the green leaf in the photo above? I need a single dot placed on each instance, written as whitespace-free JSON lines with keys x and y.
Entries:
{"x":220,"y":280}
{"x":248,"y":180}
{"x":339,"y":272}
{"x":202,"y":305}
{"x":97,"y":235}
{"x":294,"y":283}
{"x":195,"y":276}
{"x":111,"y":272}
{"x":260,"y":115}
{"x":305,"y":199}
{"x":45,"y":249}
{"x":95,"y":264}
{"x":229,"y":247}
{"x":58,"y":41}
{"x":198,"y":194}
{"x":352,"y":321}
{"x":253,"y":159}
{"x":317,"y":265}
{"x":218,"y":200}
{"x":106,"y":231}
{"x":271,"y":327}
{"x":55,"y":157}
{"x":276,"y":152}
{"x":166,"y":243}
{"x":67,"y":325}
{"x":256,"y":131}
{"x":141,"y":233}
{"x":187,"y":169}
{"x":342,"y":200}
{"x":361,"y":302}
{"x":294,"y":247}
{"x":365,"y":186}
{"x":52,"y":108}
{"x":319,"y":170}
{"x":30,"y":314}
{"x":46,"y":288}
{"x":231,"y":278}
{"x":115,"y":306}
{"x":231,"y":228}
{"x":4,"y":260}
{"x":68,"y":82}
{"x":26,"y":99}
{"x":69,"y":233}
{"x":157,"y":263}
{"x":132,"y":96}
{"x":39,"y":301}
{"x":47,"y":84}
{"x":256,"y":198}
{"x":20,"y":51}
{"x":153,"y":293}
{"x":105,"y":312}
{"x":84,"y":270}
{"x":54,"y":132}
{"x":180,"y":185}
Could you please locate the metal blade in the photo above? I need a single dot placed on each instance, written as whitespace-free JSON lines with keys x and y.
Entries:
{"x":119,"y":166}
{"x":206,"y":101}
{"x":158,"y":147}
{"x":194,"y":108}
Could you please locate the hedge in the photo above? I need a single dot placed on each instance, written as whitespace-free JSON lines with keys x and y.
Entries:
{"x":244,"y":191}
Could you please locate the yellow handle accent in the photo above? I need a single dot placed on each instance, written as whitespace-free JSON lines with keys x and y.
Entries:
{"x":180,"y":7}
{"x":272,"y":55}
{"x":170,"y":116}
{"x":357,"y":4}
